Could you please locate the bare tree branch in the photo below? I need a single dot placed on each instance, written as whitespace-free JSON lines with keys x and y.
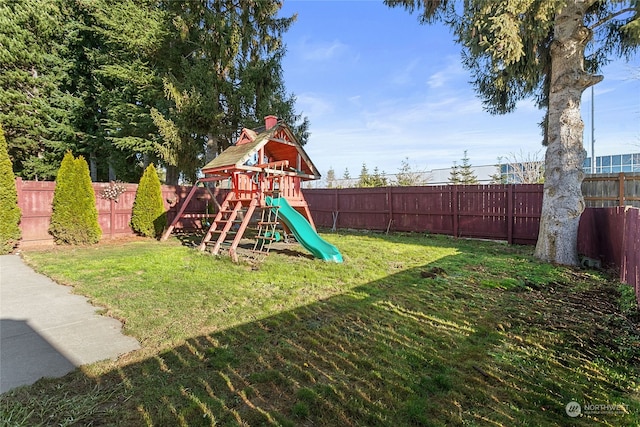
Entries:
{"x":611,"y":16}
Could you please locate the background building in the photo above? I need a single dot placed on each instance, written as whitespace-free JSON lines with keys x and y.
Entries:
{"x":614,"y":163}
{"x":510,"y":173}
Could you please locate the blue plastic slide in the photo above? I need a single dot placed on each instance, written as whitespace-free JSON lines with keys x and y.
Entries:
{"x":304,"y":233}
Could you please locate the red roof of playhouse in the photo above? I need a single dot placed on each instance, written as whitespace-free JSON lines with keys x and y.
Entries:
{"x":275,"y":143}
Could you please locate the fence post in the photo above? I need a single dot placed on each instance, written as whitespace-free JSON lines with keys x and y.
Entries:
{"x":112,"y":217}
{"x":622,"y":212}
{"x":454,"y":209}
{"x":336,"y":212}
{"x":19,"y":191}
{"x":510,"y":213}
{"x":390,"y":203}
{"x":621,"y":192}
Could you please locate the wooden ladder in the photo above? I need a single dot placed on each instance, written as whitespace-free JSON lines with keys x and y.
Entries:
{"x":242,"y":228}
{"x":222,"y":223}
{"x":266,"y":230}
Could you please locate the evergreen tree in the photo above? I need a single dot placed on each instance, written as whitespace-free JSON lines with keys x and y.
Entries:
{"x":222,"y":75}
{"x":346,"y":179}
{"x":148,"y":216}
{"x":454,"y":175}
{"x":33,"y":107}
{"x":168,"y":82}
{"x":378,"y":179}
{"x":177,"y":80}
{"x":467,"y":174}
{"x":498,"y":177}
{"x":375,"y":179}
{"x":9,"y":211}
{"x":406,"y":176}
{"x":521,"y":49}
{"x":74,"y":219}
{"x":364,"y":179}
{"x":331,"y":178}
{"x":113,"y":85}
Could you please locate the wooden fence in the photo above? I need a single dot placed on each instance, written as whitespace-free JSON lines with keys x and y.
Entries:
{"x":508,"y":212}
{"x":499,"y":212}
{"x":35,"y":197}
{"x":612,"y":235}
{"x":610,"y":190}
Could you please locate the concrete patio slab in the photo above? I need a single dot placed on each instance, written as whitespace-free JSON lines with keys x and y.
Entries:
{"x":46,"y":331}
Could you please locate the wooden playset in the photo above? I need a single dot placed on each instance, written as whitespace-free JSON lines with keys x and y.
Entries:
{"x":265,"y":168}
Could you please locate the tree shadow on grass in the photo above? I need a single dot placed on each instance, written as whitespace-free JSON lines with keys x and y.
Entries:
{"x":403,"y":350}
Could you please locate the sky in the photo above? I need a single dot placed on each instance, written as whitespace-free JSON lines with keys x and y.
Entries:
{"x":378,"y":88}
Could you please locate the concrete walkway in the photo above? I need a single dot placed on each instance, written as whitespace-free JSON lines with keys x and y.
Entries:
{"x":46,"y":331}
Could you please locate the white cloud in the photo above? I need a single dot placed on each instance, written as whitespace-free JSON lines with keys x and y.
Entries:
{"x":437,"y":79}
{"x":405,"y":115}
{"x":452,"y":70}
{"x":405,"y":75}
{"x":355,"y":100}
{"x":312,"y":105}
{"x":321,"y":51}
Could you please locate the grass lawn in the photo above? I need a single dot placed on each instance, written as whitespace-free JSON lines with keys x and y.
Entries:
{"x":409,"y":330}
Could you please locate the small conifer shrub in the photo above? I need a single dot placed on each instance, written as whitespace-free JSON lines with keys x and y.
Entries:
{"x":75,"y":217}
{"x":148,"y":217}
{"x":9,"y":210}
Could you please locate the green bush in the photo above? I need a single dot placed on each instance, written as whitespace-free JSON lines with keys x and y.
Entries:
{"x":75,"y":217}
{"x":9,"y":211}
{"x":148,"y":217}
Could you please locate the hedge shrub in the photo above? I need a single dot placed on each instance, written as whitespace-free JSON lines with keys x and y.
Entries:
{"x":10,"y":214}
{"x":75,"y":217}
{"x":149,"y":217}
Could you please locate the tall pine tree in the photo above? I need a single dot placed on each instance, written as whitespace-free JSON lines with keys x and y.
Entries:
{"x":176,"y":81}
{"x":129,"y":82}
{"x":33,"y":107}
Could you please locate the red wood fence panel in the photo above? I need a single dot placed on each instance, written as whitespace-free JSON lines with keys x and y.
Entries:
{"x":421,"y":209}
{"x":482,"y":212}
{"x":502,"y":212}
{"x":34,"y":200}
{"x":612,"y":235}
{"x":601,"y":231}
{"x":526,"y":207}
{"x":630,"y":268}
{"x":324,"y":205}
{"x":176,"y":195}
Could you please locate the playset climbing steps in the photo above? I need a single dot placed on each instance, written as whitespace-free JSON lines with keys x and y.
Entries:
{"x":232,"y":213}
{"x":264,"y":165}
{"x":267,"y":230}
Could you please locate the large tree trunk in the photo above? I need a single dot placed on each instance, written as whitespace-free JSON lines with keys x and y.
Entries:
{"x":563,"y":203}
{"x":172,"y":176}
{"x":211,"y":150}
